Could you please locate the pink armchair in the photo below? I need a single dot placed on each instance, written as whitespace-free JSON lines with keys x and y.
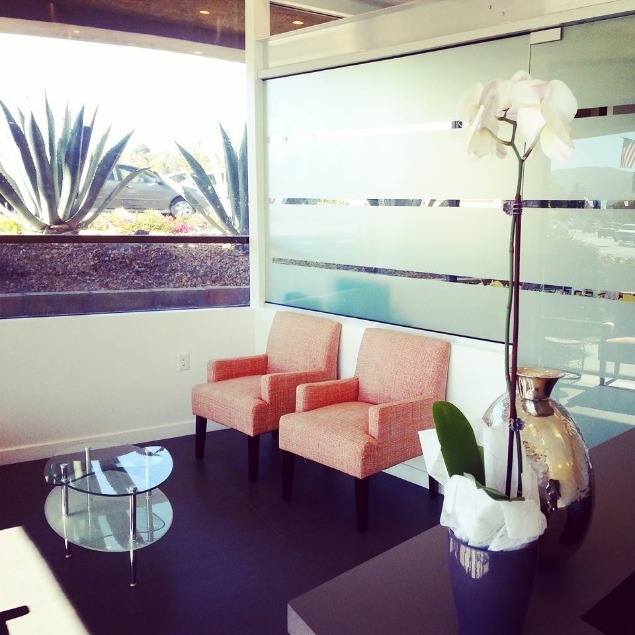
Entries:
{"x":367,"y":423}
{"x":250,"y":394}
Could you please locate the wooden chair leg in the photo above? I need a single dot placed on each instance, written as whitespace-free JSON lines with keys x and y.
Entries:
{"x":361,"y":503}
{"x":433,"y":486}
{"x":201,"y":430}
{"x":253,"y":456}
{"x":288,"y":469}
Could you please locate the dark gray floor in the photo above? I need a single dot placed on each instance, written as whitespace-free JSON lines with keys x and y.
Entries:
{"x":235,"y":554}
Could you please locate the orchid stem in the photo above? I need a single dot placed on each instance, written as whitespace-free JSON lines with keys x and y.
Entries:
{"x":512,"y":318}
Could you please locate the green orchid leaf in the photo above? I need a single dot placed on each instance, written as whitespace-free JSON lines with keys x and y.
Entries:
{"x":497,"y":495}
{"x":458,"y":443}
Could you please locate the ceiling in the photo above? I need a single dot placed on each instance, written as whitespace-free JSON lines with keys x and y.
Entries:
{"x":219,"y":22}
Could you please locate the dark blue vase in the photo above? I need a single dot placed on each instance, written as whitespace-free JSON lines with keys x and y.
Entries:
{"x":491,"y":589}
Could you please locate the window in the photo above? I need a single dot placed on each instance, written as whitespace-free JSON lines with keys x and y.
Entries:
{"x":164,"y":239}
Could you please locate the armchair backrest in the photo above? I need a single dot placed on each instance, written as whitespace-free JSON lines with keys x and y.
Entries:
{"x":393,"y":366}
{"x":303,"y":342}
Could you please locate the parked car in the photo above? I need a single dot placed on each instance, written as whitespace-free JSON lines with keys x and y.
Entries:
{"x":146,"y":191}
{"x":183,"y":183}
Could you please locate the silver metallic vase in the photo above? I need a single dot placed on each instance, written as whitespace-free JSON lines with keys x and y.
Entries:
{"x":558,"y":454}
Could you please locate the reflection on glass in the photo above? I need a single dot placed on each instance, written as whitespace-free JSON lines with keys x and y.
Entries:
{"x":441,"y":264}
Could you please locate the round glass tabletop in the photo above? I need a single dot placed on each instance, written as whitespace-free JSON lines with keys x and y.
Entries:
{"x":110,"y":470}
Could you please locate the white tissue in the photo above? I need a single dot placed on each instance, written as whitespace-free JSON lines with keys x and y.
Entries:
{"x":473,"y":515}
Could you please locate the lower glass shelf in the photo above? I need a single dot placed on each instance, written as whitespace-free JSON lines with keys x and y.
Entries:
{"x":102,"y":523}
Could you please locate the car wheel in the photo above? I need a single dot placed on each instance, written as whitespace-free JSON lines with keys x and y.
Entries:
{"x":180,"y":207}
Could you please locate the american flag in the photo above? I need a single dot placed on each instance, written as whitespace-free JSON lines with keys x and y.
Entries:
{"x":628,"y":153}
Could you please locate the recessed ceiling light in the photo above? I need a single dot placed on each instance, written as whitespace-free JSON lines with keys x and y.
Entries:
{"x":204,"y":12}
{"x":298,"y":22}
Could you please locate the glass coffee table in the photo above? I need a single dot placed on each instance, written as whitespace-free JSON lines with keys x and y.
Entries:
{"x":108,"y":498}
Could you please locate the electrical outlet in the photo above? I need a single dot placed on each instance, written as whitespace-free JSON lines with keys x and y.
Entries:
{"x":183,"y":362}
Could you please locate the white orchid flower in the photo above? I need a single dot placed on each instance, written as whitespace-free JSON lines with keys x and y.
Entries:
{"x":470,"y":104}
{"x":542,"y":111}
{"x":545,"y":110}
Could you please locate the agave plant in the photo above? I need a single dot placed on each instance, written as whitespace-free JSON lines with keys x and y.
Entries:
{"x":232,"y":222}
{"x":51,"y":181}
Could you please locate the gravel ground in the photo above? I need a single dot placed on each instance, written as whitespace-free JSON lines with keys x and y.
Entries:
{"x":63,"y":267}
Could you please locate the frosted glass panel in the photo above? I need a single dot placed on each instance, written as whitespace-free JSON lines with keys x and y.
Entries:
{"x":376,"y":211}
{"x":596,"y":60}
{"x":385,"y":129}
{"x":395,"y":300}
{"x":460,"y":241}
{"x":412,"y":164}
{"x":596,"y":170}
{"x":410,"y":90}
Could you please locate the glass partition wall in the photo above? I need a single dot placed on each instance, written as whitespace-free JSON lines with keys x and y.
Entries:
{"x":376,"y":210}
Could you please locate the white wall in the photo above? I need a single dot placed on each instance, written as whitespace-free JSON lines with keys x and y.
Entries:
{"x":71,"y":379}
{"x":64,"y":379}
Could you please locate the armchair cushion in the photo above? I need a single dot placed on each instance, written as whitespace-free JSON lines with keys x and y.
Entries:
{"x":335,"y":436}
{"x":237,"y":400}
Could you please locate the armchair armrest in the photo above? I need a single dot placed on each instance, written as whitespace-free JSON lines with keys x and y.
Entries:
{"x":392,"y":421}
{"x":280,"y":388}
{"x":230,"y":368}
{"x":326,"y":393}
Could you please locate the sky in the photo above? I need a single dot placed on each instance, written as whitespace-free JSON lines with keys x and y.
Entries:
{"x":164,"y":96}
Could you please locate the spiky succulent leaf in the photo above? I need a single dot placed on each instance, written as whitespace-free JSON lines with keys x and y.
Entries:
{"x":62,"y":143}
{"x":92,"y":213}
{"x":243,"y":198}
{"x":237,"y":185}
{"x":45,"y":186}
{"x":206,"y":187}
{"x":237,"y":222}
{"x":59,"y":178}
{"x":88,"y":172}
{"x":51,"y":146}
{"x":20,"y":140}
{"x":72,"y":167}
{"x":231,"y":170}
{"x":190,"y":197}
{"x":103,"y":170}
{"x":9,"y":191}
